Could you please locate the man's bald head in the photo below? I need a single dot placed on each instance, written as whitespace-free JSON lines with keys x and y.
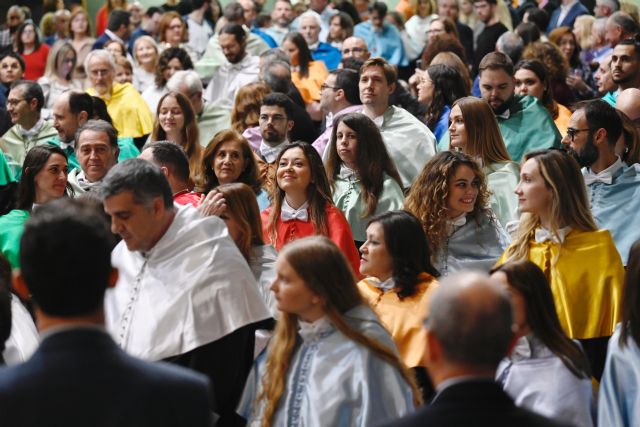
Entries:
{"x":471,"y":317}
{"x":355,"y":47}
{"x":629,"y":103}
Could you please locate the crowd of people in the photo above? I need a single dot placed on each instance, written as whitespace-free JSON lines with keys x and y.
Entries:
{"x":320,"y":213}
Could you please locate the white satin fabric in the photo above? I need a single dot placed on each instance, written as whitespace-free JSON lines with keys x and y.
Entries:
{"x":23,"y":340}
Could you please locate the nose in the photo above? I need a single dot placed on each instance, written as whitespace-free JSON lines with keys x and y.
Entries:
{"x":363,"y":248}
{"x":115,"y":225}
{"x":566,"y":141}
{"x":451,"y":127}
{"x":518,"y":190}
{"x":274,"y":286}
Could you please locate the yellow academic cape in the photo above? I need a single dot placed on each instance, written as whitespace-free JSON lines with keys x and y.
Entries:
{"x":586,"y":281}
{"x":403,"y":318}
{"x":128,"y":110}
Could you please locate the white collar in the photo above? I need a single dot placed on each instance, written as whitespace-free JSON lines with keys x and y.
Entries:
{"x":542,"y":235}
{"x":270,"y":153}
{"x":347,"y":173}
{"x":287,"y":213}
{"x":605,"y":176}
{"x":505,"y":114}
{"x":385,"y":286}
{"x":454,"y":223}
{"x":379,"y":121}
{"x":317,"y":329}
{"x":314,"y":46}
{"x":114,"y":36}
{"x":35,"y":130}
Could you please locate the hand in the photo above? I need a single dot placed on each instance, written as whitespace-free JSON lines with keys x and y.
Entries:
{"x":213,"y":204}
{"x":575,"y":82}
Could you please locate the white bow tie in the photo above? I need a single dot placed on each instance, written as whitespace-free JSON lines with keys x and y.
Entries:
{"x":459,"y":221}
{"x":270,"y":154}
{"x":590,"y":178}
{"x":347,"y":173}
{"x":287,"y":213}
{"x":542,"y":235}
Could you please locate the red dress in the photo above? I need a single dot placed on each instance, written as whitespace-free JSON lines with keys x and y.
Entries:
{"x":187,"y":198}
{"x":339,"y":233}
{"x":35,"y":62}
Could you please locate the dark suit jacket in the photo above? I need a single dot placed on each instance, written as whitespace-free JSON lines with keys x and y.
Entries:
{"x":465,"y":34}
{"x":100,"y":41}
{"x":476,"y":403}
{"x":80,"y":377}
{"x":576,"y":10}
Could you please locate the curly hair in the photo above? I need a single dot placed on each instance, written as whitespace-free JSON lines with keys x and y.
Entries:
{"x":246,"y":109}
{"x":428,"y":196}
{"x":163,"y":63}
{"x":442,"y":43}
{"x":549,"y":54}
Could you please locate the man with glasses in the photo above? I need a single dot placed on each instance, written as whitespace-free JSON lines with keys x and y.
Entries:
{"x":29,"y":129}
{"x":355,"y":47}
{"x":338,"y":96}
{"x":612,"y":186}
{"x":128,"y":110}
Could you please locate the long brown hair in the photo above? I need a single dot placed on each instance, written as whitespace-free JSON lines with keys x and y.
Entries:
{"x":526,"y":277}
{"x":484,"y":139}
{"x":427,"y":198}
{"x":190,"y":133}
{"x":318,"y":192}
{"x":326,"y":272}
{"x":242,"y":206}
{"x":165,"y":22}
{"x":372,"y":159}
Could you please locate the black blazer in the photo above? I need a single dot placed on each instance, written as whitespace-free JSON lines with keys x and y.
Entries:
{"x":476,"y":403}
{"x":100,"y":41}
{"x":80,"y":377}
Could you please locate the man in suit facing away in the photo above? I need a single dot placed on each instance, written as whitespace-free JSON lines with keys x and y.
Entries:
{"x":79,"y":376}
{"x":468,"y":333}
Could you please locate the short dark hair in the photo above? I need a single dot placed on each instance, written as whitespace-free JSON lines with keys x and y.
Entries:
{"x":81,"y":101}
{"x":624,"y":21}
{"x":143,"y":179}
{"x":233,"y":12}
{"x":280,"y":100}
{"x":539,"y":17}
{"x":170,"y":154}
{"x":63,"y":233}
{"x":32,"y":90}
{"x":601,"y":115}
{"x":100,"y":110}
{"x":117,"y":18}
{"x":379,"y":7}
{"x":163,"y":63}
{"x":16,"y":56}
{"x":632,"y":41}
{"x":348,"y":80}
{"x":152,"y":11}
{"x":496,"y":61}
{"x":236,"y":30}
{"x":98,"y":126}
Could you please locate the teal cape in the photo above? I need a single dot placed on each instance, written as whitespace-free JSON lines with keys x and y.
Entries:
{"x":11,"y":229}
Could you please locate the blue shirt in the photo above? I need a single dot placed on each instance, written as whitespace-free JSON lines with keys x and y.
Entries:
{"x":385,"y":42}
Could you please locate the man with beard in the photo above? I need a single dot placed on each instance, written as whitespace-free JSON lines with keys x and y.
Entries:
{"x":239,"y":69}
{"x":525,"y":124}
{"x":281,"y":17}
{"x":625,"y":67}
{"x":612,"y":186}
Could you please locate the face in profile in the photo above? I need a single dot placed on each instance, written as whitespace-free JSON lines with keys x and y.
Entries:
{"x":136,"y":223}
{"x":375,"y":260}
{"x":533,"y":195}
{"x":457,"y":130}
{"x":292,"y":293}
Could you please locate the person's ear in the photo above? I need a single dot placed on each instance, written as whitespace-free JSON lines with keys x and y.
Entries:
{"x":600,"y":137}
{"x":83,"y":116}
{"x":165,"y":171}
{"x":33,"y":104}
{"x":113,"y":278}
{"x":20,"y":286}
{"x":158,"y":206}
{"x":290,"y":124}
{"x":392,"y":88}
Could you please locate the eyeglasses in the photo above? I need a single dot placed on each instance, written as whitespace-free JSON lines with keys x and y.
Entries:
{"x":354,"y":50}
{"x":571,"y":132}
{"x":324,"y":86}
{"x":14,"y":102}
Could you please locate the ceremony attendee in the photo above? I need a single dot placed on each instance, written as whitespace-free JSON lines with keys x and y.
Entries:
{"x":145,"y":53}
{"x":524,"y":123}
{"x":418,"y":25}
{"x":176,"y":122}
{"x":612,"y":186}
{"x":557,"y":232}
{"x":382,"y":38}
{"x":198,"y":26}
{"x":76,"y":358}
{"x":619,"y":400}
{"x":628,"y":145}
{"x":44,"y":179}
{"x":235,"y":203}
{"x":620,"y":26}
{"x":301,"y":203}
{"x":227,"y":159}
{"x":211,"y":118}
{"x":175,"y":313}
{"x":355,"y":47}
{"x":149,"y":26}
{"x":409,"y":142}
{"x":130,"y":114}
{"x":566,"y":14}
{"x":491,"y":30}
{"x":474,"y":131}
{"x":307,"y":75}
{"x":11,"y":69}
{"x":96,"y":150}
{"x":170,"y":60}
{"x":546,"y":372}
{"x":58,"y":73}
{"x":281,"y":17}
{"x":340,"y":28}
{"x":580,"y":76}
{"x":451,"y":9}
{"x":34,"y":52}
{"x":602,"y":77}
{"x":327,"y":343}
{"x":629,"y":103}
{"x":362,"y":176}
{"x":468,"y":333}
{"x":124,"y":70}
{"x":239,"y":69}
{"x":70,"y":111}
{"x":325,"y":11}
{"x":118,"y":29}
{"x":246,"y":108}
{"x":24,"y":104}
{"x":625,"y":65}
{"x":81,"y":40}
{"x":339,"y":95}
{"x":400,"y":281}
{"x":310,"y":29}
{"x":174,"y":164}
{"x":173,"y":33}
{"x":451,"y":200}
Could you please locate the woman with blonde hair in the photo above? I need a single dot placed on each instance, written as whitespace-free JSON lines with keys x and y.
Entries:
{"x":58,"y":73}
{"x":246,"y":108}
{"x":227,"y":159}
{"x":176,"y":122}
{"x":451,"y":200}
{"x":330,"y":361}
{"x":145,"y":53}
{"x":81,"y":40}
{"x":418,"y":25}
{"x":474,"y":131}
{"x":558,"y":233}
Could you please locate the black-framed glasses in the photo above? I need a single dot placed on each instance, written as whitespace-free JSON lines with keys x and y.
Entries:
{"x":571,"y":132}
{"x":14,"y":102}
{"x":324,"y":86}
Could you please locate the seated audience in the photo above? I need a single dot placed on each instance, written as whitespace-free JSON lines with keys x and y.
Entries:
{"x":310,"y":28}
{"x":58,"y":73}
{"x":145,"y":53}
{"x":557,"y":68}
{"x":33,"y":51}
{"x":579,"y":78}
{"x":246,"y":108}
{"x":170,"y":60}
{"x":309,"y":75}
{"x":340,"y":28}
{"x":383,"y":38}
{"x":173,"y":33}
{"x":124,"y":70}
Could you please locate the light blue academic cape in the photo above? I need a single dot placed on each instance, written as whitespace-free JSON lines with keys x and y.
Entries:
{"x":619,"y":394}
{"x":502,"y":179}
{"x":473,"y":246}
{"x":386,"y":43}
{"x":327,"y":54}
{"x":616,"y":207}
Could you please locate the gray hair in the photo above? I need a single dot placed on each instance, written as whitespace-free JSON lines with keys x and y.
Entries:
{"x":98,"y":126}
{"x":143,"y":179}
{"x":278,"y":80}
{"x":102,"y":54}
{"x":312,"y":14}
{"x":472,"y":318}
{"x":188,"y":78}
{"x":511,"y":44}
{"x":624,"y":21}
{"x":613,"y":5}
{"x":273,"y":54}
{"x":16,"y":8}
{"x":599,"y":27}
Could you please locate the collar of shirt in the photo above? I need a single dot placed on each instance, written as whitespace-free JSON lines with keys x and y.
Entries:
{"x":347,"y":173}
{"x":240,"y":65}
{"x":385,"y":286}
{"x":379,"y":121}
{"x":114,"y":36}
{"x":455,"y":223}
{"x":314,"y":46}
{"x":310,"y":330}
{"x":542,"y":235}
{"x":605,"y":176}
{"x":287,"y":213}
{"x":33,"y":131}
{"x":505,"y":115}
{"x":269,"y":153}
{"x":64,"y":145}
{"x":84,"y":183}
